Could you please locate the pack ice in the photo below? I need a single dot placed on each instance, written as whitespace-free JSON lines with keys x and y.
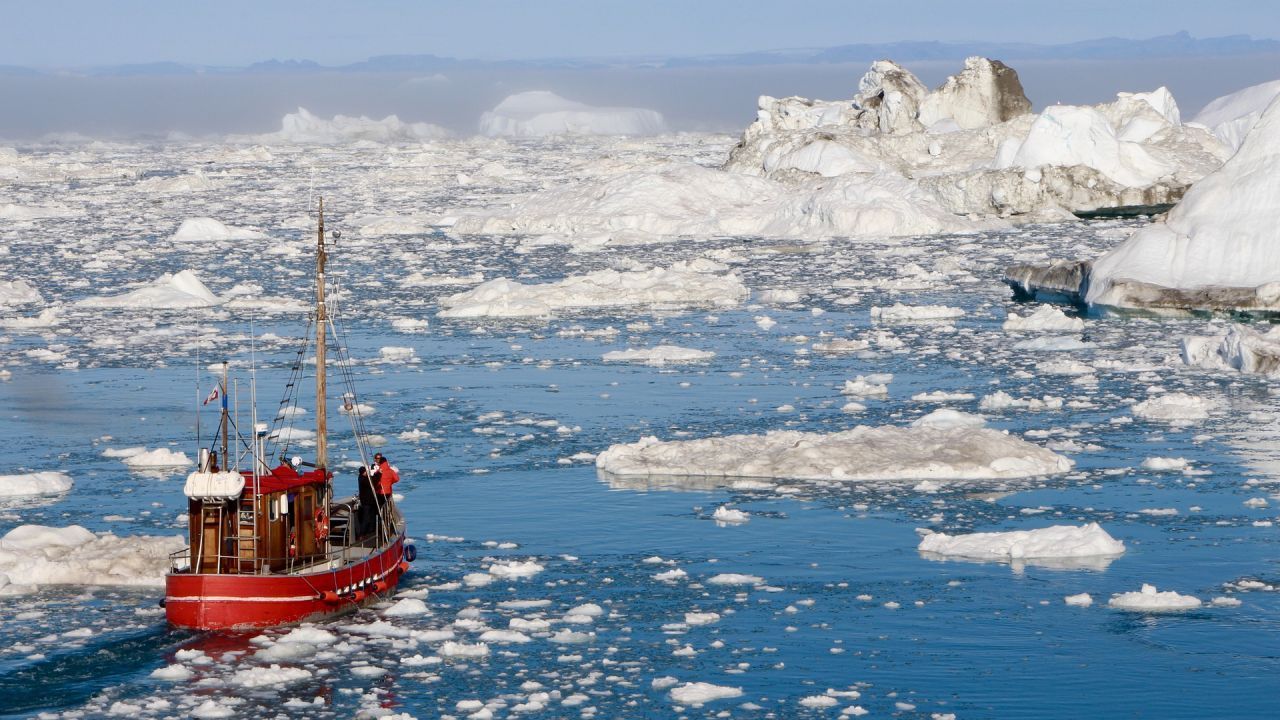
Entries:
{"x":35,"y":555}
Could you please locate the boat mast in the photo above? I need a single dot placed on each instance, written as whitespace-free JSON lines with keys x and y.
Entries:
{"x":322,"y":440}
{"x":223,"y":462}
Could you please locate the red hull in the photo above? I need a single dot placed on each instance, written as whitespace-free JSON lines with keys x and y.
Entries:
{"x":230,"y":601}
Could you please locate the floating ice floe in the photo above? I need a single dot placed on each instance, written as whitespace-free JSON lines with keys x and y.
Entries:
{"x":206,"y":229}
{"x":539,"y":113}
{"x":696,"y":283}
{"x":1148,"y":599}
{"x":1242,"y":348}
{"x":1065,"y":546}
{"x":36,"y":483}
{"x":158,"y":458}
{"x":700,"y":693}
{"x":170,"y":291}
{"x":1174,"y":407}
{"x":915,"y":313}
{"x":1045,"y":317}
{"x":36,"y":555}
{"x":18,"y":292}
{"x":659,"y":355}
{"x":860,"y":454}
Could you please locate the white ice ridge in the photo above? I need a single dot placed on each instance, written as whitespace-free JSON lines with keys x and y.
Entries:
{"x":537,"y":113}
{"x":659,"y":355}
{"x":1057,"y":542}
{"x":304,"y":128}
{"x":36,"y":555}
{"x":929,"y":451}
{"x":36,"y":483}
{"x":676,"y":199}
{"x":1242,"y":348}
{"x":169,"y":291}
{"x":1148,"y":599}
{"x":697,"y":283}
{"x":1231,"y":117}
{"x":1217,"y":248}
{"x":206,"y":229}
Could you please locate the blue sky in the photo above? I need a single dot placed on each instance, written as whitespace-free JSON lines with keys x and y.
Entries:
{"x":47,"y":33}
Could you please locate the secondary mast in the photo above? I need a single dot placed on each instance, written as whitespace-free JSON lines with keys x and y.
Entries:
{"x":322,"y":419}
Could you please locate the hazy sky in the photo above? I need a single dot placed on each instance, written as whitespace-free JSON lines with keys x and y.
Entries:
{"x":47,"y":33}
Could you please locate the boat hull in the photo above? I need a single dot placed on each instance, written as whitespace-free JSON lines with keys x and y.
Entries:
{"x":230,"y":601}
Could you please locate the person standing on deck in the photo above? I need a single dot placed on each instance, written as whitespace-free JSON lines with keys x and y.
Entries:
{"x":385,"y":476}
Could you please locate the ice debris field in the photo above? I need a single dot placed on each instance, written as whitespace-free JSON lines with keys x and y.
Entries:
{"x":688,"y":425}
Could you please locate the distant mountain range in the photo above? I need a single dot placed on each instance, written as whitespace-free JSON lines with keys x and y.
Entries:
{"x":1179,"y":45}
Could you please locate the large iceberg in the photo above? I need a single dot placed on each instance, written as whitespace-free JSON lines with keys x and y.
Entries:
{"x":303,"y":127}
{"x":974,"y":144}
{"x":1217,"y":249}
{"x":539,"y":112}
{"x":1231,"y":117}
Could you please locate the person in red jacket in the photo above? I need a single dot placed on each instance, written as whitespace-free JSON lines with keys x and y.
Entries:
{"x":384,"y":476}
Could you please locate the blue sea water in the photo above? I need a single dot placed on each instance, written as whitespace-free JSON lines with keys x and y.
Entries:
{"x":844,"y":601}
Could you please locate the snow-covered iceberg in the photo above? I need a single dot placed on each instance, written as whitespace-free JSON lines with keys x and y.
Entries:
{"x":1149,"y":599}
{"x":927,"y":451}
{"x":1058,"y":546}
{"x":303,"y":127}
{"x":170,"y":291}
{"x":974,"y":144}
{"x":1216,"y":249}
{"x":698,"y":283}
{"x":1231,"y":117}
{"x":539,"y":112}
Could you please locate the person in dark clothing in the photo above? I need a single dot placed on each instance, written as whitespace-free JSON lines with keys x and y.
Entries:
{"x":368,"y":514}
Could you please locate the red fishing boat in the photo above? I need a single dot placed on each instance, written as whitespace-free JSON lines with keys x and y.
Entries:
{"x":270,"y":545}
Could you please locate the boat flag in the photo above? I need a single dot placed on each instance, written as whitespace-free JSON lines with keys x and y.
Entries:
{"x":212,"y":396}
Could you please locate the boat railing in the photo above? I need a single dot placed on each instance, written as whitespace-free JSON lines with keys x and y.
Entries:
{"x":338,"y":554}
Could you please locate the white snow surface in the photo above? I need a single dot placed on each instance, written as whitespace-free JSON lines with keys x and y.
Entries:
{"x":1221,"y":235}
{"x":538,"y":113}
{"x":170,"y":291}
{"x":859,"y":454}
{"x":36,"y":555}
{"x":1056,"y":542}
{"x":698,"y":283}
{"x":1149,"y":599}
{"x":36,"y":483}
{"x":1231,"y":117}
